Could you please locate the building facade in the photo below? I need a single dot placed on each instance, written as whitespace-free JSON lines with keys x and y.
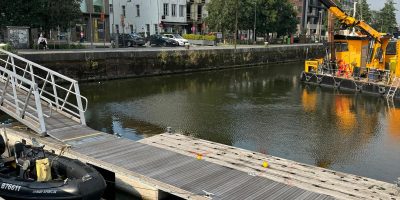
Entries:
{"x":94,"y":24}
{"x":312,"y":15}
{"x":148,"y":17}
{"x":196,"y":13}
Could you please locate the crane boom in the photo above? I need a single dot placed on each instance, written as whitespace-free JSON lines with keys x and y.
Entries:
{"x":351,"y":21}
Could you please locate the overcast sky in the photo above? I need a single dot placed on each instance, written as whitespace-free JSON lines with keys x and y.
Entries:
{"x":378,"y":4}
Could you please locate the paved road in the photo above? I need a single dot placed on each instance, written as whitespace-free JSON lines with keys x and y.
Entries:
{"x":33,"y":51}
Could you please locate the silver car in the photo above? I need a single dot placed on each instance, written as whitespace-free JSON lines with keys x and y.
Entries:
{"x":182,"y":41}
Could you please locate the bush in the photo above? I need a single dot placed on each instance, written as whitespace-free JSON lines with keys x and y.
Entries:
{"x":199,"y":37}
{"x":8,"y":47}
{"x":61,"y":46}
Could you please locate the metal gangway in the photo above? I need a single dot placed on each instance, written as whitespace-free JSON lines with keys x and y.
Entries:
{"x":46,"y":101}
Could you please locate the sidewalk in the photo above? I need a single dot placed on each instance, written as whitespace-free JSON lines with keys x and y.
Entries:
{"x":99,"y":47}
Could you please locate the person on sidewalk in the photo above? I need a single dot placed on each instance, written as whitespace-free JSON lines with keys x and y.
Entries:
{"x":82,"y":37}
{"x":42,"y":42}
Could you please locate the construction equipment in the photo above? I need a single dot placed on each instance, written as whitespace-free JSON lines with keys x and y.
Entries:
{"x":360,"y":50}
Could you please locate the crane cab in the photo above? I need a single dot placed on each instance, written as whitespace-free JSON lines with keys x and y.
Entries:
{"x":352,"y":50}
{"x":392,"y":60}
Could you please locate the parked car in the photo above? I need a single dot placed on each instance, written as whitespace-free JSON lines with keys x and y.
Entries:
{"x":161,"y":40}
{"x":129,"y":40}
{"x":182,"y":41}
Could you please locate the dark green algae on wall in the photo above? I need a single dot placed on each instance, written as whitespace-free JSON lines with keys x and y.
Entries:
{"x":115,"y":64}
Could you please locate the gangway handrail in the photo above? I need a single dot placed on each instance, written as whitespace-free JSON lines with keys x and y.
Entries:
{"x":33,"y":89}
{"x":37,"y":65}
{"x":64,"y":101}
{"x":55,"y":84}
{"x":59,"y":96}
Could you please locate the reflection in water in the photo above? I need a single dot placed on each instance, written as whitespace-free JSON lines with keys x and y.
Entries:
{"x":309,"y":100}
{"x":346,"y":119}
{"x":394,"y":122}
{"x":263,"y":109}
{"x":345,"y":128}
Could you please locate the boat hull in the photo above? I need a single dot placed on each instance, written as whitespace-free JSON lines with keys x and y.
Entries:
{"x":84,"y":182}
{"x":345,"y":84}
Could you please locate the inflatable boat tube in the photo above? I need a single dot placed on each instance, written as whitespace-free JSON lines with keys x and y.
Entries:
{"x":72,"y":179}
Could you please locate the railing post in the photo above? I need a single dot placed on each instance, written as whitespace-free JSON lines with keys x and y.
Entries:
{"x":79,"y":102}
{"x":53,"y":83}
{"x":39,"y":110}
{"x":13,"y":80}
{"x":26,"y":102}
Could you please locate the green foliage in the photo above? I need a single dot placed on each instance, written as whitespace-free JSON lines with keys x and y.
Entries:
{"x":363,"y":11}
{"x":8,"y":47}
{"x":221,"y":15}
{"x":199,"y":37}
{"x":271,"y":16}
{"x":61,"y":46}
{"x":45,"y":14}
{"x":387,"y":18}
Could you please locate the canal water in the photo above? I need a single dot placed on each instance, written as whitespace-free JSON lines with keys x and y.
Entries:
{"x":261,"y":108}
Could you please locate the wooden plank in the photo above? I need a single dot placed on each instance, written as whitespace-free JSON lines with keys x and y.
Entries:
{"x":168,"y":168}
{"x":304,"y":176}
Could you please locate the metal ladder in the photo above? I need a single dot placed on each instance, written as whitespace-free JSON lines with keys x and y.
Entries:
{"x":393,"y":88}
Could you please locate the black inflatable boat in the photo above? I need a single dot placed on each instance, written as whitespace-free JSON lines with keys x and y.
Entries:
{"x":21,"y":175}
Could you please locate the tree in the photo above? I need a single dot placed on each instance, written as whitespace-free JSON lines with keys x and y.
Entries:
{"x":286,"y":21}
{"x":45,"y":14}
{"x":363,"y":11}
{"x":272,"y":16}
{"x":221,"y":15}
{"x":387,"y":18}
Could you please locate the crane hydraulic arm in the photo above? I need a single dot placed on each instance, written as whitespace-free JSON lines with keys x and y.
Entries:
{"x":351,"y":21}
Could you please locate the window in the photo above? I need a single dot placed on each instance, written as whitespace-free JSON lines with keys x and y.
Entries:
{"x":300,"y":9}
{"x":181,"y":10}
{"x":391,"y":48}
{"x":98,"y":6}
{"x":156,"y":28}
{"x":137,"y":10}
{"x":123,"y":11}
{"x":173,"y":10}
{"x":165,"y":9}
{"x":341,"y":46}
{"x":148,"y":29}
{"x":131,"y":27}
{"x":111,"y":8}
{"x":117,"y":28}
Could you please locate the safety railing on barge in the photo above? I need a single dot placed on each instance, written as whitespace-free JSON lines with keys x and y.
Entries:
{"x":31,"y":93}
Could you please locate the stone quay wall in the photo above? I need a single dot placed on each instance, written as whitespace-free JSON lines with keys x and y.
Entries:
{"x":115,"y":63}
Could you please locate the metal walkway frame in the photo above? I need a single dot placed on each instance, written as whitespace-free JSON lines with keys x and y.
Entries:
{"x":32,"y":94}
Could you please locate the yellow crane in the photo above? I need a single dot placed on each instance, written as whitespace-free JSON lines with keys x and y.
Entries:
{"x":363,"y":49}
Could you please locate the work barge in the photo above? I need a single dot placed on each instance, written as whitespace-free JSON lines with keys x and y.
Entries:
{"x":167,"y":164}
{"x":358,"y":58}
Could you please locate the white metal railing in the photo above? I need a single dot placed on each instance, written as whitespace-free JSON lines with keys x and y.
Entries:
{"x":59,"y":92}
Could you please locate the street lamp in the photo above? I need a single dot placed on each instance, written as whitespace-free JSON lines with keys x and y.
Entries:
{"x":255,"y":20}
{"x":236,"y":22}
{"x":113,"y":18}
{"x":320,"y":25}
{"x":91,"y":24}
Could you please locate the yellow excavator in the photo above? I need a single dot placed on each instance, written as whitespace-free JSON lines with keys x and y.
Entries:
{"x":359,"y":52}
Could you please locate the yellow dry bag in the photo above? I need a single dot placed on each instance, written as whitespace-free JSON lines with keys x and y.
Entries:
{"x":43,"y":170}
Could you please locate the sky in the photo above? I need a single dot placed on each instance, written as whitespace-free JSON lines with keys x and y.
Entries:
{"x":378,"y":4}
